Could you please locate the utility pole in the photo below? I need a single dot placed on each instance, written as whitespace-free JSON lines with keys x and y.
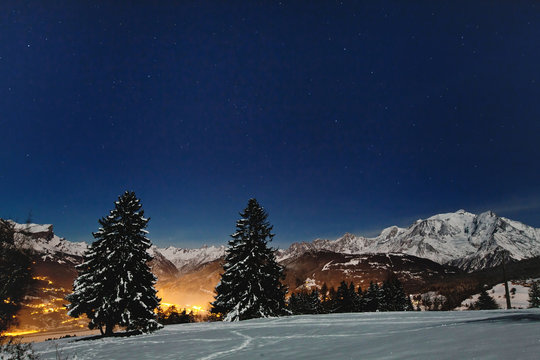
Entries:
{"x":507,"y":293}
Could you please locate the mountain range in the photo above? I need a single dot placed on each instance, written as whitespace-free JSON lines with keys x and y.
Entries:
{"x":427,"y":252}
{"x":461,"y":239}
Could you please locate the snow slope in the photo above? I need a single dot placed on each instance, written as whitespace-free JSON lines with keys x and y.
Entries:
{"x":518,"y":300}
{"x":399,"y":335}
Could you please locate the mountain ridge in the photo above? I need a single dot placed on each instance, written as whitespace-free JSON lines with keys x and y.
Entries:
{"x":461,"y":239}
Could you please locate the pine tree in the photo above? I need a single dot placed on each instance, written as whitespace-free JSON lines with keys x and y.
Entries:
{"x":372,"y":297}
{"x":315,"y":305}
{"x":15,"y":275}
{"x":292,"y":304}
{"x":305,"y":303}
{"x":115,"y":285}
{"x":324,"y":298}
{"x":409,"y":306}
{"x":250,"y":286}
{"x":534,"y":295}
{"x":330,"y":303}
{"x":359,"y":304}
{"x":341,"y":296}
{"x":385,"y":297}
{"x":345,"y":298}
{"x":485,"y":302}
{"x":393,"y":296}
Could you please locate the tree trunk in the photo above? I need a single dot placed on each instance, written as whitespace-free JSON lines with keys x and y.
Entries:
{"x":109,"y":329}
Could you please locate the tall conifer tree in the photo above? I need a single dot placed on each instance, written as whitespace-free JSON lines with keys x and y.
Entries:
{"x":372,"y":297}
{"x":534,"y":295}
{"x":250,"y":286}
{"x":115,"y":285}
{"x":15,"y":275}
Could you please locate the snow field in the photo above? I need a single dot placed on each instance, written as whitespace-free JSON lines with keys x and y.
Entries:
{"x":496,"y":334}
{"x":520,"y":300}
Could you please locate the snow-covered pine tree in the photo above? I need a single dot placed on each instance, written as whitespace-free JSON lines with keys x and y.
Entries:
{"x":304,"y":303}
{"x":115,"y":285}
{"x":485,"y":301}
{"x":372,"y":297}
{"x":250,"y":286}
{"x":330,"y":304}
{"x":315,"y":302}
{"x":393,"y":296}
{"x":534,"y":295}
{"x":15,"y":275}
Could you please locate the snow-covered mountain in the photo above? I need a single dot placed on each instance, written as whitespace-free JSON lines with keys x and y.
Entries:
{"x":189,"y":259}
{"x":41,"y":238}
{"x":462,"y":239}
{"x":168,"y":261}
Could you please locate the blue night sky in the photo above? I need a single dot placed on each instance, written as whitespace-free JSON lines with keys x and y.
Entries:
{"x":337,"y":117}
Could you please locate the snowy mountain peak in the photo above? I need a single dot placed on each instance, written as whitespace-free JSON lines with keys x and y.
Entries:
{"x":460,"y":238}
{"x":42,"y":239}
{"x":188,"y":259}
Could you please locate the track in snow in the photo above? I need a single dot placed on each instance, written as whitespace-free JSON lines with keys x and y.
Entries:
{"x":419,"y":335}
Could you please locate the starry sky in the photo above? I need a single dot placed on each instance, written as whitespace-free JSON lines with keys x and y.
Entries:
{"x":337,"y":116}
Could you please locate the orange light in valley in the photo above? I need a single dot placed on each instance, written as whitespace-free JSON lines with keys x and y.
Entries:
{"x":20,"y":333}
{"x":43,"y":278}
{"x":189,"y":308}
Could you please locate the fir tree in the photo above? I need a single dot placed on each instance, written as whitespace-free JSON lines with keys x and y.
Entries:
{"x":393,"y":296}
{"x":341,"y":302}
{"x":385,"y":297}
{"x":534,"y":295}
{"x":345,"y":298}
{"x":250,"y":286}
{"x":324,"y":297}
{"x":331,"y":301}
{"x":315,"y":305}
{"x":115,"y":285}
{"x":292,"y":304}
{"x":372,"y":297}
{"x":485,"y":302}
{"x":353,"y":297}
{"x":305,"y":303}
{"x":15,"y":275}
{"x":359,"y":304}
{"x":409,"y":306}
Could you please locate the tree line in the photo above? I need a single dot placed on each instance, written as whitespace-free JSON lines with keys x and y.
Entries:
{"x":387,"y":297}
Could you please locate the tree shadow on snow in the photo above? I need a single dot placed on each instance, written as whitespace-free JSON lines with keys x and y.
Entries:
{"x":114,"y":335}
{"x":508,"y":318}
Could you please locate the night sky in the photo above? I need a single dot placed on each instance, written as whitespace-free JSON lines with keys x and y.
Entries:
{"x":337,"y":116}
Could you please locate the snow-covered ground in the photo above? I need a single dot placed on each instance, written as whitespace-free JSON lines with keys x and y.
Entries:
{"x":495,"y":334}
{"x":519,"y":299}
